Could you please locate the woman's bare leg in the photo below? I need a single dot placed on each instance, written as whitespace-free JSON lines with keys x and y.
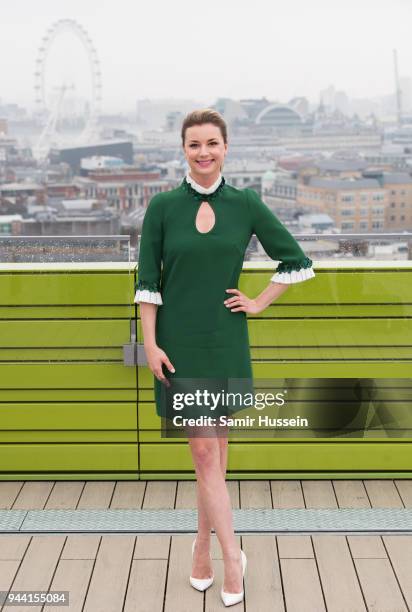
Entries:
{"x":201,"y":559}
{"x":216,"y":504}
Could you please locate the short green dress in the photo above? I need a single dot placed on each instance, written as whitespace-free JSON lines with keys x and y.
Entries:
{"x":186,"y":273}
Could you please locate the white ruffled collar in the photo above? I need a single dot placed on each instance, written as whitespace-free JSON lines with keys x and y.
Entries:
{"x":205,"y":190}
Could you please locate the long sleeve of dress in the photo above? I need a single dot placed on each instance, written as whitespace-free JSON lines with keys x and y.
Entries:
{"x":150,"y":255}
{"x":278,"y":243}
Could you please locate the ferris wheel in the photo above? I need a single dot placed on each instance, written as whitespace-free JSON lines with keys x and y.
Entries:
{"x":49,"y":134}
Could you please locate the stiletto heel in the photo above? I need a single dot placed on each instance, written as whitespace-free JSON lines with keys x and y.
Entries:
{"x":201,"y":584}
{"x":229,"y":599}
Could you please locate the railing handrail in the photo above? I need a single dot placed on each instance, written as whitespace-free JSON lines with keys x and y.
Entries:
{"x":354,"y":235}
{"x":122,"y":237}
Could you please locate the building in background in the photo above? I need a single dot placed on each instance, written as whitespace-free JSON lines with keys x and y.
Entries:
{"x":74,"y":155}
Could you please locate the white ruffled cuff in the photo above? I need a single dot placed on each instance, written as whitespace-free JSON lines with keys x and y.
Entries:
{"x":144,"y":295}
{"x":295,"y":276}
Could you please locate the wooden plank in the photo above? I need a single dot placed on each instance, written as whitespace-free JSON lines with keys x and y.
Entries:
{"x":38,"y":566}
{"x":404,"y":488}
{"x":351,"y":494}
{"x":399,"y":548}
{"x":9,"y":492}
{"x":379,"y":586}
{"x":73,"y":576}
{"x":81,"y":546}
{"x":152,"y":547}
{"x":146,"y":586}
{"x":96,"y":494}
{"x":319,"y":494}
{"x":287,"y":494}
{"x":338,"y":577}
{"x":65,"y":495}
{"x":179,"y":570}
{"x":255,"y":494}
{"x":233,"y":488}
{"x":366,"y":547}
{"x":383,"y":494}
{"x":160,"y":494}
{"x":33,"y":495}
{"x":13,"y":546}
{"x":128,"y":495}
{"x":186,"y":494}
{"x":8,"y":571}
{"x":301,"y":585}
{"x":109,"y":580}
{"x":295,"y":547}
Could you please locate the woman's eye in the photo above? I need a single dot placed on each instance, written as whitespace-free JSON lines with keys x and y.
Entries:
{"x":195,"y":145}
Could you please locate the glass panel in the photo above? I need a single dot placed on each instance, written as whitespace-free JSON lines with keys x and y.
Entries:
{"x":345,"y":246}
{"x":45,"y":249}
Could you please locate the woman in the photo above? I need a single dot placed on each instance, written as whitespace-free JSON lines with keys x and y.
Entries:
{"x":194,"y":322}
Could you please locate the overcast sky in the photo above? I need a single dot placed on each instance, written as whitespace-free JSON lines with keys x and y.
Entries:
{"x":208,"y":49}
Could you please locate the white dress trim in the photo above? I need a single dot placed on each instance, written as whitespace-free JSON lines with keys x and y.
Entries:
{"x":205,"y":190}
{"x":144,"y":295}
{"x":295,"y":276}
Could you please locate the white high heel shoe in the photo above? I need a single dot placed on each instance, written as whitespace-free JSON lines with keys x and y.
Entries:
{"x":229,"y":599}
{"x":201,"y":584}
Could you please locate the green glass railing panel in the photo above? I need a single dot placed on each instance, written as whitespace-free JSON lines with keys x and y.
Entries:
{"x":68,"y":415}
{"x":62,"y":376}
{"x":68,"y":457}
{"x":295,"y":456}
{"x":67,"y":287}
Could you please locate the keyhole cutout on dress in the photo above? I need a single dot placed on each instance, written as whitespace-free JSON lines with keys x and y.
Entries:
{"x":205,"y":218}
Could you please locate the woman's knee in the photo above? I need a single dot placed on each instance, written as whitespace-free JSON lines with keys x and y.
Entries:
{"x":205,"y":453}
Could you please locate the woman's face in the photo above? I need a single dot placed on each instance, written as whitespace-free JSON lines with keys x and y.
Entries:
{"x":205,"y":151}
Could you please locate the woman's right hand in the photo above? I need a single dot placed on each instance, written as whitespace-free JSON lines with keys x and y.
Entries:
{"x":156,"y":357}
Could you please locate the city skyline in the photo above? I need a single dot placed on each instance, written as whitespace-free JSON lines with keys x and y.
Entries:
{"x":143,"y":56}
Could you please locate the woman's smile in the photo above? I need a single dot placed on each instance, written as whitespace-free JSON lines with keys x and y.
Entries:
{"x":205,"y":163}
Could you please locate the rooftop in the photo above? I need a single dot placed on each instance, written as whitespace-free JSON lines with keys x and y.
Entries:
{"x":21,"y":186}
{"x":344,"y":184}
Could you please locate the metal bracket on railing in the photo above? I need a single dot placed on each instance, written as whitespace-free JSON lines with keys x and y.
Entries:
{"x":133,"y":352}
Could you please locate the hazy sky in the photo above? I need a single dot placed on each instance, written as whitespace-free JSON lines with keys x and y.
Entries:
{"x":208,"y":49}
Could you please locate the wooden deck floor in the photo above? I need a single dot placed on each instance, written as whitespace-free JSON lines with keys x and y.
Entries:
{"x":123,"y":573}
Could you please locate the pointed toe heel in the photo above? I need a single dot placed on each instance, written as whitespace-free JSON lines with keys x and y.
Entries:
{"x":201,"y":584}
{"x":230,"y":599}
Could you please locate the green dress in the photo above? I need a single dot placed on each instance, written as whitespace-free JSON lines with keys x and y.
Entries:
{"x":187,"y":272}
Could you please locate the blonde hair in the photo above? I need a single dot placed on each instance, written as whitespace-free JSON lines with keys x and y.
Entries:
{"x":204,"y":115}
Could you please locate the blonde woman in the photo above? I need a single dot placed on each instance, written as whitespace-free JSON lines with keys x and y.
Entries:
{"x":194,"y":321}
